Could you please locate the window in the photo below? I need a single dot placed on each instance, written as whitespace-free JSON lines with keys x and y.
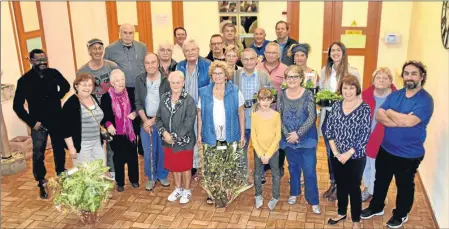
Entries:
{"x":243,"y":14}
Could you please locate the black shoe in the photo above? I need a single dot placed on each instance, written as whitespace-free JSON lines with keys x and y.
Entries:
{"x":120,"y":188}
{"x":367,"y":213}
{"x":43,"y":193}
{"x":395,"y":222}
{"x":194,"y":171}
{"x":135,"y":185}
{"x":263,"y":181}
{"x":329,"y":191}
{"x":333,"y":222}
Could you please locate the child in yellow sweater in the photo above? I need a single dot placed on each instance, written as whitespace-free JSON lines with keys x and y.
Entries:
{"x":265,"y":137}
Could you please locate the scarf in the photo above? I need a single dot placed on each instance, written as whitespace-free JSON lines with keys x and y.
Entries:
{"x":120,"y":100}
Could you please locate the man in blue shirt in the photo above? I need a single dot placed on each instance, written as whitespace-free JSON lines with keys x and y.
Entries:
{"x":405,"y":115}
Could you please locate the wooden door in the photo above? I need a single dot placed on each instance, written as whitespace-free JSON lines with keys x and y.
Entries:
{"x":357,"y":25}
{"x":137,"y":13}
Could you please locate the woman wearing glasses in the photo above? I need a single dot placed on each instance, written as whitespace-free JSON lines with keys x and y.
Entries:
{"x":221,"y":124}
{"x":299,"y":136}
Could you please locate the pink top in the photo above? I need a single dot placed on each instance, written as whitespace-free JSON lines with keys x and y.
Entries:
{"x":276,"y":75}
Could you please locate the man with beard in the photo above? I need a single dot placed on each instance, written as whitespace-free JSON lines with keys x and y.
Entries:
{"x":100,"y":69}
{"x":405,"y":115}
{"x":43,"y":88}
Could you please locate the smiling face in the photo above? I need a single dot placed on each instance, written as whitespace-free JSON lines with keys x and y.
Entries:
{"x":85,"y":88}
{"x":259,"y":35}
{"x":180,"y":36}
{"x":249,"y":60}
{"x":300,"y":58}
{"x":382,"y":81}
{"x":219,"y":76}
{"x":272,"y":54}
{"x":176,"y":82}
{"x":96,"y":51}
{"x":349,"y":92}
{"x":151,"y":64}
{"x":191,"y":52}
{"x":39,"y":61}
{"x":281,"y":31}
{"x":412,"y":77}
{"x":293,"y":79}
{"x":231,"y":58}
{"x":336,"y":53}
{"x":118,"y":80}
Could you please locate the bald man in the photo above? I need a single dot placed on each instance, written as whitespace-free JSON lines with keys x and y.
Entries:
{"x":259,"y":43}
{"x":128,"y":54}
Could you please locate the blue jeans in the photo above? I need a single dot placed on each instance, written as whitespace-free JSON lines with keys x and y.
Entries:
{"x":153,"y":155}
{"x":303,"y":159}
{"x":328,"y":148}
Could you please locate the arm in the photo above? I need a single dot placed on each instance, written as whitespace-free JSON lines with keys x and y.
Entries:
{"x":254,"y":140}
{"x":330,"y":123}
{"x":199,"y":123}
{"x":140,"y":105}
{"x":311,"y":117}
{"x":334,"y":147}
{"x":275,"y":144}
{"x":18,"y":105}
{"x":106,"y":106}
{"x":383,"y":119}
{"x":363,"y":130}
{"x":403,"y":120}
{"x":241,"y":120}
{"x":64,"y":86}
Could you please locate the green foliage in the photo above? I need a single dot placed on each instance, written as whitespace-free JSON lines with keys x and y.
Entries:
{"x":85,"y":190}
{"x":274,"y":92}
{"x":309,"y":84}
{"x":327,"y":95}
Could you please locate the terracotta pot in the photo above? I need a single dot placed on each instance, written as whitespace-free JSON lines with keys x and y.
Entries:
{"x":89,"y":217}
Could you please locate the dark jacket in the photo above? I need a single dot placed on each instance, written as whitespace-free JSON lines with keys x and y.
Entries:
{"x":179,"y":122}
{"x":72,"y":114}
{"x":171,"y":67}
{"x":210,"y":56}
{"x":106,"y":106}
{"x":141,"y":90}
{"x":42,"y":96}
{"x":287,"y":60}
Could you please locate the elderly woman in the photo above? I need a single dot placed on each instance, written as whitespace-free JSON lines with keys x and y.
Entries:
{"x":299,"y":136}
{"x":221,"y":124}
{"x":336,"y":67}
{"x":348,"y":131}
{"x":300,"y":53}
{"x":175,"y":121}
{"x":229,"y":34}
{"x":83,"y":115}
{"x":118,"y":115}
{"x":375,"y":96}
{"x":232,"y":58}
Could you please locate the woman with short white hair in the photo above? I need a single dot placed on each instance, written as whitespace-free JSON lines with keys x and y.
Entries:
{"x":118,"y":115}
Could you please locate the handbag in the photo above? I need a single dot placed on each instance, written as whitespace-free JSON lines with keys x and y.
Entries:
{"x":106,"y":135}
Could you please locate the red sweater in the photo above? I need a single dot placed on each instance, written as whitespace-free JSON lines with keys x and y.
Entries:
{"x":377,"y":136}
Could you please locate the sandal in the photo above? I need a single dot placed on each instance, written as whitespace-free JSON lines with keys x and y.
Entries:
{"x":209,"y":200}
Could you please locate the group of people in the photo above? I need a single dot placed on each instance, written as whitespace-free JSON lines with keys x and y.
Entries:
{"x":196,"y":118}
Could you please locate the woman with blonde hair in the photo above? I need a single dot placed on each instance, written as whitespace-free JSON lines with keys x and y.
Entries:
{"x":221,"y":128}
{"x":375,"y":96}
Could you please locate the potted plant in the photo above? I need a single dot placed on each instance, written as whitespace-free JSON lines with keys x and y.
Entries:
{"x":82,"y":190}
{"x":326,"y":98}
{"x":311,"y":86}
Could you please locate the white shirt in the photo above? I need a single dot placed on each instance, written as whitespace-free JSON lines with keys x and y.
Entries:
{"x":333,"y":80}
{"x":178,"y":54}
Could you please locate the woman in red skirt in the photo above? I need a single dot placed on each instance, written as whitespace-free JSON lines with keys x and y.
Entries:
{"x":175,"y":121}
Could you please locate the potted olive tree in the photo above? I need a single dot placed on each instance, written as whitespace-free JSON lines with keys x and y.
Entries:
{"x":82,"y":190}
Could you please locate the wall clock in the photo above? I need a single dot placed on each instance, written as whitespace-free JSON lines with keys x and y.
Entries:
{"x":445,"y":24}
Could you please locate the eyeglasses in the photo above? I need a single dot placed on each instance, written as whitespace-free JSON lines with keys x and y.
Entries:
{"x":218,"y":73}
{"x":292,"y":77}
{"x":165,"y":50}
{"x":190,"y":50}
{"x":44,"y":59}
{"x":216,"y":44}
{"x":248,"y":59}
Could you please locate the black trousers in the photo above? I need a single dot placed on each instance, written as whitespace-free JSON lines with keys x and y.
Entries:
{"x":125,"y":153}
{"x":39,"y":138}
{"x":404,"y":170}
{"x":348,"y":177}
{"x":136,"y":122}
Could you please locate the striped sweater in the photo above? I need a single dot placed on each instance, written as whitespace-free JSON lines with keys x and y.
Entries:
{"x":349,"y":131}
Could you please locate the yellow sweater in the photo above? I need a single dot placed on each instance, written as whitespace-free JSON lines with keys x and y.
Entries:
{"x":265,"y":134}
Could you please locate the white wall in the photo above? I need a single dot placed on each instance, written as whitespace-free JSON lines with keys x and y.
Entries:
{"x":425,"y":45}
{"x":11,"y":72}
{"x":162,"y":23}
{"x":88,"y":21}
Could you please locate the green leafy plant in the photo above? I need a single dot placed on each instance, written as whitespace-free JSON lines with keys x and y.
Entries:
{"x":83,"y":189}
{"x":274,"y":92}
{"x":327,"y":95}
{"x":309,"y":84}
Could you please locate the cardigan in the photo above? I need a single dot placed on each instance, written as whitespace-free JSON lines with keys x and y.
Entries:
{"x":72,"y":113}
{"x":377,"y":135}
{"x":106,"y":106}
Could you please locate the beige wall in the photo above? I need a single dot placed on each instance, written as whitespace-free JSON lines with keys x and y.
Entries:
{"x":269,"y":14}
{"x":162,"y":23}
{"x":425,"y":45}
{"x":311,"y":21}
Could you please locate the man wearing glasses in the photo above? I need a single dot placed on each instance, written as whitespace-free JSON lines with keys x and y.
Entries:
{"x":43,"y":88}
{"x":167,"y":63}
{"x":216,"y":48}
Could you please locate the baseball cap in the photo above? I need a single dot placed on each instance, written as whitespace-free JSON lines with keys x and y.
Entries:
{"x":94,"y":41}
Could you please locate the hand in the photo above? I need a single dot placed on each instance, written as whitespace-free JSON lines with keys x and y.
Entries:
{"x":148,"y":123}
{"x":37,"y":126}
{"x":148,"y":129}
{"x":293,"y":138}
{"x":168,"y":138}
{"x":344,"y":157}
{"x":132,"y":115}
{"x":242,"y":141}
{"x":199,"y":141}
{"x":265,"y":160}
{"x":73,"y":152}
{"x":111,"y":130}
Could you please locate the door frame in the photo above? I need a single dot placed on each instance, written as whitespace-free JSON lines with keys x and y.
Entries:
{"x":332,"y":30}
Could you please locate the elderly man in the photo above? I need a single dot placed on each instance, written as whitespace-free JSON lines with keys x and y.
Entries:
{"x":180,"y":35}
{"x":196,"y":72}
{"x":272,"y":65}
{"x":259,"y":43}
{"x":167,"y":63}
{"x":284,"y":41}
{"x":128,"y":54}
{"x":216,"y":48}
{"x":43,"y":88}
{"x":249,"y":80}
{"x":101,"y":70}
{"x":150,"y":86}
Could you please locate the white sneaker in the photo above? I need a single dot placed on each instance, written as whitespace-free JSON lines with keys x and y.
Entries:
{"x":112,"y":175}
{"x":185,"y":198}
{"x":291,"y":200}
{"x":316,"y":209}
{"x":176,"y":194}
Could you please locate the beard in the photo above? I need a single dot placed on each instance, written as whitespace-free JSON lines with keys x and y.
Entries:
{"x":40,"y":67}
{"x":410,"y":84}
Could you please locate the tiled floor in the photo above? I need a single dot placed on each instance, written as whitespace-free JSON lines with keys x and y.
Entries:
{"x":137,"y":208}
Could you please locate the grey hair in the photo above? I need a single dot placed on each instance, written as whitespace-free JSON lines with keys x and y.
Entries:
{"x":181,"y":74}
{"x":165,"y":43}
{"x":116,"y":72}
{"x":189,"y":41}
